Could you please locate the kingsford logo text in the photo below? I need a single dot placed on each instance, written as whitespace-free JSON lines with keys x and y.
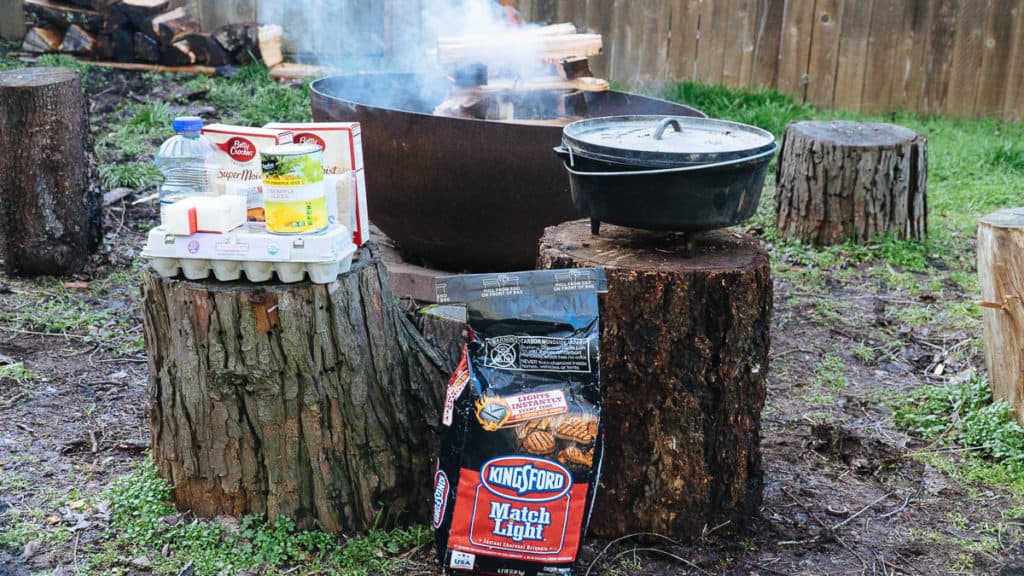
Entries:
{"x":526,"y":478}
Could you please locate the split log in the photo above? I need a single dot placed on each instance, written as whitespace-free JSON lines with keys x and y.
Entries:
{"x":488,"y":49}
{"x":685,"y":331}
{"x":123,"y":46}
{"x":172,"y":26}
{"x":1001,"y":278}
{"x":50,"y":206}
{"x":140,"y":12}
{"x":41,"y":40}
{"x":78,"y":41}
{"x":249,"y":42}
{"x":178,"y":54}
{"x":206,"y":50}
{"x":146,"y":48}
{"x":572,"y":68}
{"x":319,"y":402}
{"x":43,"y":12}
{"x":851,"y":180}
{"x":98,"y":5}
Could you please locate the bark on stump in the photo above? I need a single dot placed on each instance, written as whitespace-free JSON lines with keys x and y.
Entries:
{"x":684,"y":356}
{"x":1001,"y":276}
{"x":318,"y":402}
{"x":50,"y":207}
{"x":851,"y":180}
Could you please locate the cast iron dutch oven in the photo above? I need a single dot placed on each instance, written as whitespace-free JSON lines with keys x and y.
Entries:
{"x":665,"y":173}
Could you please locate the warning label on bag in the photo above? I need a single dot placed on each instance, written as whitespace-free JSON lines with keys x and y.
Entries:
{"x":538,"y":353}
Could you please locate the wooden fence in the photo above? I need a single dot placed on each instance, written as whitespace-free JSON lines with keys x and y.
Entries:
{"x":953,"y":57}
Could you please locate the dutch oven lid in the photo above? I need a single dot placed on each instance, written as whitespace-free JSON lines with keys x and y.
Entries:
{"x":664,"y":141}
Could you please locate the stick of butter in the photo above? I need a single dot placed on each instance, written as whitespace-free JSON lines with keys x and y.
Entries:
{"x":217,"y":214}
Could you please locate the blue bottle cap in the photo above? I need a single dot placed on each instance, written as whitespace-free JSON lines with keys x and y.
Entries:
{"x":187,"y":124}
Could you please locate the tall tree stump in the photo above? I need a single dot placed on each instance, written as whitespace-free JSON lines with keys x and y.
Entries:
{"x":851,"y":180}
{"x":50,"y":207}
{"x":1001,"y":276}
{"x":684,"y":356}
{"x":318,"y":402}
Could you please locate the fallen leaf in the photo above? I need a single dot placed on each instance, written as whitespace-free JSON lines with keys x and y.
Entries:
{"x":53,"y":519}
{"x":78,"y":505}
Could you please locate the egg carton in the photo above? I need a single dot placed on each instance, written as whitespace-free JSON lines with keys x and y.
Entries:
{"x":252,"y":251}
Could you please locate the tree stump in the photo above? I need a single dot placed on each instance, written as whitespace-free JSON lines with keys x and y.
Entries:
{"x":50,"y":209}
{"x":684,"y":356}
{"x":1001,"y":276}
{"x":318,"y":402}
{"x":851,"y":180}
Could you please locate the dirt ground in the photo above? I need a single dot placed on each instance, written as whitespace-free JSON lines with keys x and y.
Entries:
{"x":844,"y":493}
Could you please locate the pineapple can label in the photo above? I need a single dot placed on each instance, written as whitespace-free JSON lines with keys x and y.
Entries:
{"x":293,"y":189}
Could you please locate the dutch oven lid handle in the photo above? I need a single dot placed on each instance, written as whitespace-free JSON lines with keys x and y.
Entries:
{"x":660,"y":131}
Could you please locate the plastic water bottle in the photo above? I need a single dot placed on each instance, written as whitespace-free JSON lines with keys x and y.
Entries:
{"x":184,"y":160}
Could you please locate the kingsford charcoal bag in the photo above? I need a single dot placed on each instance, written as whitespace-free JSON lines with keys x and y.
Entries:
{"x":521,"y":434}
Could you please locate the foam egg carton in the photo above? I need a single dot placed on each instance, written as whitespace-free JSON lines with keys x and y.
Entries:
{"x":252,"y":251}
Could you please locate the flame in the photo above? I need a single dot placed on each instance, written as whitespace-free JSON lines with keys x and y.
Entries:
{"x":512,"y":13}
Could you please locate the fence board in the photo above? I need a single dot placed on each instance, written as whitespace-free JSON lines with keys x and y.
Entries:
{"x":767,"y":43}
{"x":1013,"y":103}
{"x":824,"y":56}
{"x":909,"y":63}
{"x":853,"y":50}
{"x":599,"y":20}
{"x":682,"y":47}
{"x":12,"y":26}
{"x":795,"y":47}
{"x":752,"y":14}
{"x":940,"y":52}
{"x":215,"y":14}
{"x":996,"y":48}
{"x":734,"y":41}
{"x":710,"y":49}
{"x":967,"y":55}
{"x":883,"y":42}
{"x":624,"y":45}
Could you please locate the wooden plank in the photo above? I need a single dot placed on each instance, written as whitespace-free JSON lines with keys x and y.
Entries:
{"x":883,"y":42}
{"x":940,"y":52}
{"x":714,"y":34}
{"x":1013,"y":103}
{"x":853,"y":49}
{"x":824,"y":56}
{"x":795,"y":47}
{"x":682,"y":46}
{"x":995,"y":61}
{"x":967,"y":54}
{"x":736,"y":35}
{"x":652,"y":59}
{"x":752,"y":16}
{"x":599,"y":21}
{"x":909,"y":62}
{"x":11,"y":28}
{"x":768,"y":42}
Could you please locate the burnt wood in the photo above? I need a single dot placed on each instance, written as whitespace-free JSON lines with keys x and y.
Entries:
{"x":206,"y":49}
{"x":146,"y":48}
{"x":123,"y":45}
{"x":685,"y":334}
{"x":50,"y":204}
{"x":841,"y":180}
{"x":140,"y":12}
{"x":319,"y":402}
{"x":177,"y":54}
{"x":43,"y":13}
{"x":240,"y":40}
{"x":172,"y":26}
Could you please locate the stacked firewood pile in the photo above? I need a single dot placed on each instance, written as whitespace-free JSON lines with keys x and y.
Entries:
{"x":146,"y":31}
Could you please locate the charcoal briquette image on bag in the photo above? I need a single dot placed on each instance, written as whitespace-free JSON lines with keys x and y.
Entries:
{"x":521,"y":426}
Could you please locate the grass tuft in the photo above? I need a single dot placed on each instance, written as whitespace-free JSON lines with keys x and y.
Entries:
{"x":134,"y":175}
{"x":763,"y":107}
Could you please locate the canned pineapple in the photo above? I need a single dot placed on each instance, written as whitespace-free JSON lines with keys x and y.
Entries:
{"x":293,"y":188}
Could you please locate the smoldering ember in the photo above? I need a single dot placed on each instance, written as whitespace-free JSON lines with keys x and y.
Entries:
{"x":515,"y":287}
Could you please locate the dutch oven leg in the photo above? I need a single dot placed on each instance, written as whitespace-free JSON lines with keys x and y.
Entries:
{"x":595,"y":226}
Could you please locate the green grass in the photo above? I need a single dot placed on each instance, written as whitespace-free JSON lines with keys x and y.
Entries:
{"x":965,"y":418}
{"x":134,"y":175}
{"x":140,"y":504}
{"x":16,"y":373}
{"x":253,"y":98}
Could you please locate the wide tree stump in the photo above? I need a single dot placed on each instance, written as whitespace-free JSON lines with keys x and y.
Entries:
{"x":50,"y":207}
{"x":1001,"y":277}
{"x":684,"y":355}
{"x":318,"y":402}
{"x":839,"y":181}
